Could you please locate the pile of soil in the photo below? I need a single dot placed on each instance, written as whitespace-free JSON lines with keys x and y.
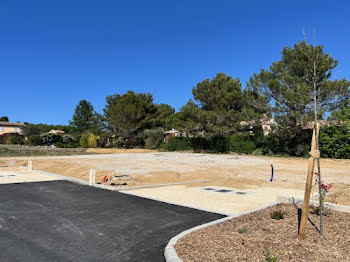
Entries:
{"x":248,"y":237}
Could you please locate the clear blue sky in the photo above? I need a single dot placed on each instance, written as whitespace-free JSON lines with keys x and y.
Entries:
{"x":54,"y":53}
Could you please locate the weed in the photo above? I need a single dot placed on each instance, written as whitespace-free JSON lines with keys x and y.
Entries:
{"x":243,"y":230}
{"x":270,"y":257}
{"x":277,"y":215}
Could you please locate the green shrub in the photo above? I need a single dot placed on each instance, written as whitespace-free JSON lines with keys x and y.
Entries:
{"x":154,"y":138}
{"x":200,"y":143}
{"x":271,"y":145}
{"x":177,"y":144}
{"x":241,"y":143}
{"x":131,"y":143}
{"x":67,"y":145}
{"x":118,"y":143}
{"x":67,"y":139}
{"x":277,"y":215}
{"x":50,"y":138}
{"x":92,"y":141}
{"x":35,"y":140}
{"x":335,"y":142}
{"x":84,"y":140}
{"x":220,"y":144}
{"x":258,"y":152}
{"x":14,"y":140}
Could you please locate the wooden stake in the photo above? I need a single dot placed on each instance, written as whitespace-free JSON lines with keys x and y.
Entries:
{"x":308,"y":186}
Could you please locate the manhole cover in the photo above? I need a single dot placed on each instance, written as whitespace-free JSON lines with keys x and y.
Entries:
{"x":209,"y":188}
{"x":241,"y":193}
{"x":10,"y":175}
{"x":223,"y":191}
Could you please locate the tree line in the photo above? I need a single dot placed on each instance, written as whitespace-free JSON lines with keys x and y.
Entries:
{"x":224,"y":116}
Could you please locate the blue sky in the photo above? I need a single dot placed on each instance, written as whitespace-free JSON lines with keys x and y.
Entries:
{"x":57,"y":52}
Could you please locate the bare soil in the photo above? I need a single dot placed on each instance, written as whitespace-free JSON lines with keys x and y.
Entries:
{"x":246,"y":238}
{"x":145,"y":167}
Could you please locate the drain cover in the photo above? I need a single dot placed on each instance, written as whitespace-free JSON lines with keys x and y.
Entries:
{"x":209,"y":188}
{"x":223,"y":191}
{"x":241,"y":193}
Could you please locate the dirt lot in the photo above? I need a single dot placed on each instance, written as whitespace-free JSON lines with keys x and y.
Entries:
{"x":246,"y":239}
{"x":145,"y":167}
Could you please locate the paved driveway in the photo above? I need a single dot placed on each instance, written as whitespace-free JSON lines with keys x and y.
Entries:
{"x":63,"y":221}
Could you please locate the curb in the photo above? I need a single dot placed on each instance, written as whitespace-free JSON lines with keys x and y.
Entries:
{"x":170,"y":253}
{"x":335,"y":207}
{"x":161,"y":185}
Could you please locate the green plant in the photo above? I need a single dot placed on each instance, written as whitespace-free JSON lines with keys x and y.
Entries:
{"x":177,"y":144}
{"x":35,"y":140}
{"x":51,"y":138}
{"x":118,"y":144}
{"x":92,"y":142}
{"x":277,"y":214}
{"x":335,"y":141}
{"x":14,"y":140}
{"x":243,"y":230}
{"x":269,"y":256}
{"x":84,"y":140}
{"x":241,"y":143}
{"x":154,"y":138}
{"x":67,"y":139}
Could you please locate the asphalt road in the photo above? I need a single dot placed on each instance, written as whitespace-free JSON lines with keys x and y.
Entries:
{"x":63,"y":221}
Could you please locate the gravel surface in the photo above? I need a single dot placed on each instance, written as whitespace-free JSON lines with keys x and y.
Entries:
{"x":246,"y":238}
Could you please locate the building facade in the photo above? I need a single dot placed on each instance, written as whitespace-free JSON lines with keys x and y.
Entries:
{"x":11,"y":128}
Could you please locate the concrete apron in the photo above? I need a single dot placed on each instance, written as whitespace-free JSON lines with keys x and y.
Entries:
{"x":15,"y":175}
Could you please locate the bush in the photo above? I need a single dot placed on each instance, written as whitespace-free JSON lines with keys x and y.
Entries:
{"x":200,"y":143}
{"x":335,"y":142}
{"x":220,"y":144}
{"x":241,"y":143}
{"x":66,"y":139}
{"x":84,"y":140}
{"x":51,"y":138}
{"x":154,"y":138}
{"x":118,"y":143}
{"x":35,"y":140}
{"x":131,"y":143}
{"x":177,"y":144}
{"x":14,"y":140}
{"x":67,"y":145}
{"x":92,"y":141}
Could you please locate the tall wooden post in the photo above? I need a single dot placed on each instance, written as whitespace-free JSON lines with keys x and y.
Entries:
{"x":308,"y":185}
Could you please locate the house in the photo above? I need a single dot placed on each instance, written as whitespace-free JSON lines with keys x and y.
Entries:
{"x":266,"y":125}
{"x":56,"y":131}
{"x":11,"y":128}
{"x":173,"y":133}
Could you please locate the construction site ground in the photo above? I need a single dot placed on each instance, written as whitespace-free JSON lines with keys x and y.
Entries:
{"x":248,"y":177}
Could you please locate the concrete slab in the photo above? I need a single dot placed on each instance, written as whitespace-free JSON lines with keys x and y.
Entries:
{"x":222,"y":200}
{"x":9,"y":175}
